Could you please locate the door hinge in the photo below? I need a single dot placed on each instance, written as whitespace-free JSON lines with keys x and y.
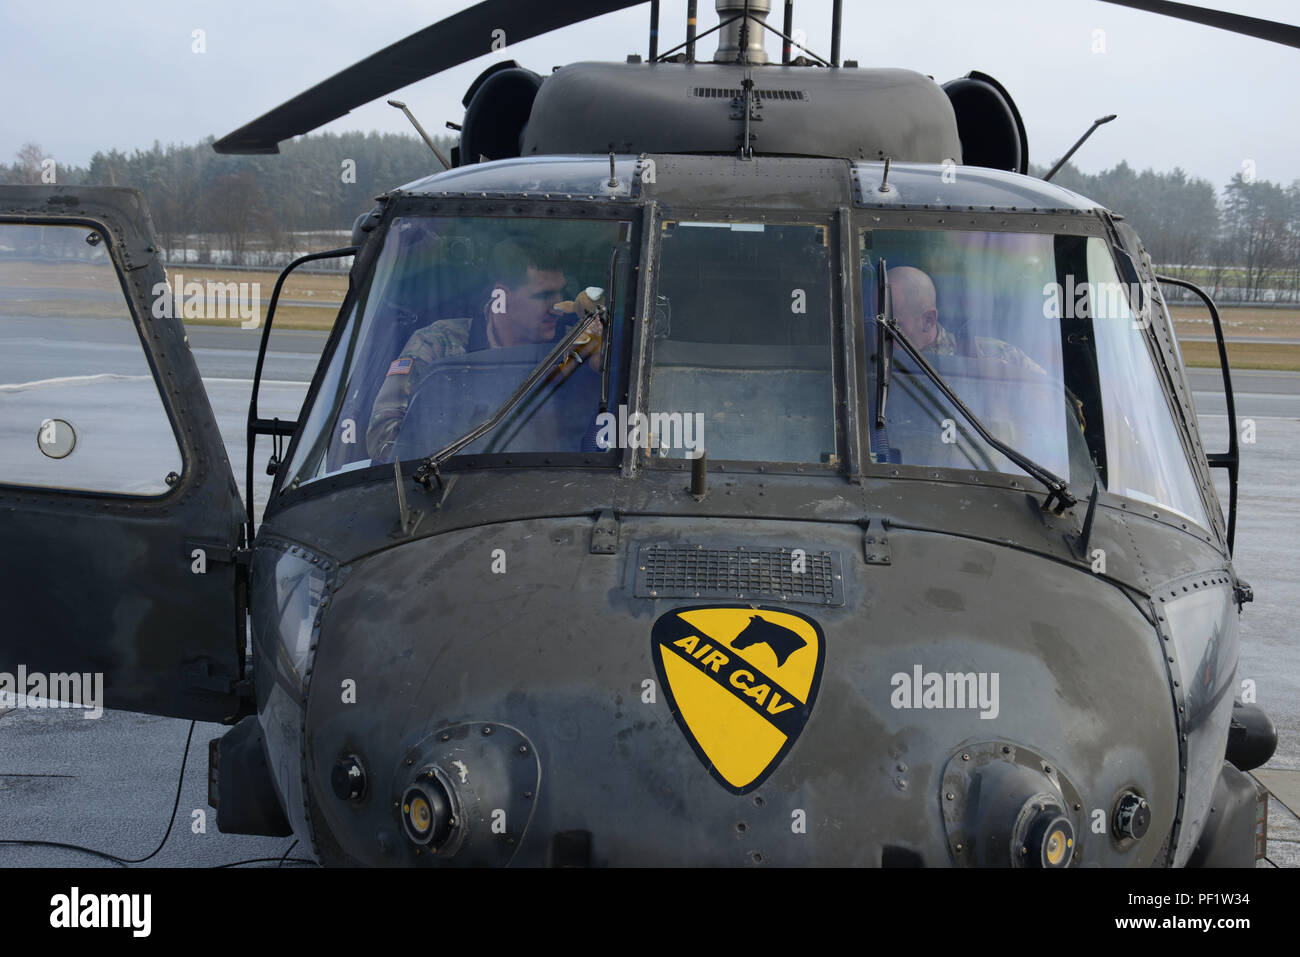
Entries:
{"x":1242,"y":593}
{"x":875,"y":543}
{"x":201,"y":678}
{"x":604,"y":534}
{"x":222,"y":554}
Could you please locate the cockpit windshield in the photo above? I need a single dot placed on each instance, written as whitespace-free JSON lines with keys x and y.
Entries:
{"x":455,"y":316}
{"x":1035,"y":333}
{"x":742,"y":343}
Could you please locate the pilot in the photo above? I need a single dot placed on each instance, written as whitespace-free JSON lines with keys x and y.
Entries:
{"x":527,"y":286}
{"x":917,"y":315}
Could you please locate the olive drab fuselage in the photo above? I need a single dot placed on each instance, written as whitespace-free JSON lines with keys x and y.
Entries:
{"x":530,"y":649}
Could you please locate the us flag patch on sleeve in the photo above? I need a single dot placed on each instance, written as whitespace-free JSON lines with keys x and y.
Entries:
{"x":400,"y":367}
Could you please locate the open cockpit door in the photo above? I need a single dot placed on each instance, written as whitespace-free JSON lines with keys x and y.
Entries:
{"x":120,"y":522}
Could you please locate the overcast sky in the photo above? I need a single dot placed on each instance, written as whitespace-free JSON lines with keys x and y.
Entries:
{"x":85,"y":75}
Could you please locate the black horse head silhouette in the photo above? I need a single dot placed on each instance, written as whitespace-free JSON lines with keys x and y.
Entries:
{"x":780,"y":639}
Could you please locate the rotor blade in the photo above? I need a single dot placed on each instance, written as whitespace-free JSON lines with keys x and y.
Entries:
{"x":448,"y":43}
{"x":1233,"y":22}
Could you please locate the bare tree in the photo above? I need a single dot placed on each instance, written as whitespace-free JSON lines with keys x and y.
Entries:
{"x":234,"y":205}
{"x":1256,"y":215}
{"x":28,"y":166}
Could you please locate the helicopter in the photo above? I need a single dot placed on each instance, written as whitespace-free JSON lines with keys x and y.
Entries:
{"x":729,"y":461}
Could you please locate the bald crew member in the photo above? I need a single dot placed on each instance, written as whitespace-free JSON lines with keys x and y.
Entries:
{"x":917,"y":314}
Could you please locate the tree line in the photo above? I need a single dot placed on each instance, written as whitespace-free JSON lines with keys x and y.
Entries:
{"x":1242,"y":243}
{"x":248,"y":207}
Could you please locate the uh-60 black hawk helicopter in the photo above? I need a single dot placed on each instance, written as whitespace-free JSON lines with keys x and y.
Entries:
{"x":726,"y":462}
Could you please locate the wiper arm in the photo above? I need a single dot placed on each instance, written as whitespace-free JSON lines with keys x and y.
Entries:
{"x":606,"y":315}
{"x":1058,"y":490}
{"x":565,"y":350}
{"x":884,"y":342}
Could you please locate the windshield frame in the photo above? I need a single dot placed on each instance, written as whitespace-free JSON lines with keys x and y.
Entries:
{"x":851,"y":376}
{"x":284,"y":493}
{"x":842,"y":362}
{"x":1092,"y":225}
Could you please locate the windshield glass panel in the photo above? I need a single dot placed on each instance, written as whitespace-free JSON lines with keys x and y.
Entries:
{"x":455,"y":315}
{"x":1035,"y":334}
{"x":1145,"y":459}
{"x":742,"y":343}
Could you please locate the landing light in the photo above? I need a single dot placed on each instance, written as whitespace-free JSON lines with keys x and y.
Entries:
{"x":426,"y":812}
{"x":1049,"y":841}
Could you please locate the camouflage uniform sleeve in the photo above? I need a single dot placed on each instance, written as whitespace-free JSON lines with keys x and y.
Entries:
{"x":446,"y":337}
{"x":1007,"y":353}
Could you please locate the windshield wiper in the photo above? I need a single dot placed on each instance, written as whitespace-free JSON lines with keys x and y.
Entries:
{"x":1058,"y":490}
{"x":607,"y":324}
{"x":884,"y":342}
{"x":565,"y":350}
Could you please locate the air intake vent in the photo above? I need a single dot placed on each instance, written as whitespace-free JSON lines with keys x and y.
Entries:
{"x":724,"y":93}
{"x":689,"y":571}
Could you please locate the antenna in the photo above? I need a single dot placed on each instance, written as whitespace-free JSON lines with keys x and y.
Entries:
{"x":654,"y":31}
{"x":787,"y":28}
{"x":420,"y":129}
{"x":1070,"y":152}
{"x":691,"y":20}
{"x":837,"y":18}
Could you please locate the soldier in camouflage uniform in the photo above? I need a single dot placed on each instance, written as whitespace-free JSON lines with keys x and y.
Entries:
{"x":527,"y":284}
{"x":915,"y":309}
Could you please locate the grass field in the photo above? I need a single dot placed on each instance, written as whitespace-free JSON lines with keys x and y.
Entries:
{"x":1244,"y":323}
{"x":325,"y":288}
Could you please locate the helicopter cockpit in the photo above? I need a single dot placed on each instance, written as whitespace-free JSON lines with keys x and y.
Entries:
{"x":1035,"y":332}
{"x":1030,"y":324}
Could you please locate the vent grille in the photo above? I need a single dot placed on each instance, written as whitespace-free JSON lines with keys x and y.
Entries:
{"x":690,"y":571}
{"x":723,"y":93}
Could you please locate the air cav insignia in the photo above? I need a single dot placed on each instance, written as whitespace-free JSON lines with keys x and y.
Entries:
{"x":741,"y":682}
